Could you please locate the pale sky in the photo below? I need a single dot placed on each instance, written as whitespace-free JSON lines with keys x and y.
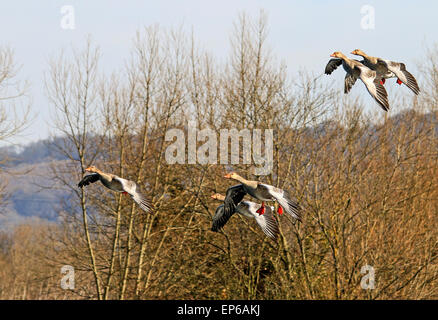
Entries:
{"x":302,"y":33}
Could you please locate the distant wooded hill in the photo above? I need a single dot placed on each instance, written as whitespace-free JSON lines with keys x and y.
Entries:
{"x":26,"y":197}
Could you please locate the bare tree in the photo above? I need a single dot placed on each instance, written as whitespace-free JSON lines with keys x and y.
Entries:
{"x":72,"y":90}
{"x":14,"y":111}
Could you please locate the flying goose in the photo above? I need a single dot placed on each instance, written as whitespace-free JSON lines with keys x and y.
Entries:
{"x":267,"y":222}
{"x":115,"y":183}
{"x":355,"y":70}
{"x":260,"y":191}
{"x":389,"y":69}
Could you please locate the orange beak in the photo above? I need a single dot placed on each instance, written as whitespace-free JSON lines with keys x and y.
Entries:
{"x":353,"y":52}
{"x":88,"y":169}
{"x":332,"y":55}
{"x":228,"y":176}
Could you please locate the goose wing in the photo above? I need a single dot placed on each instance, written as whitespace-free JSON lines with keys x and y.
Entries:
{"x":142,"y":201}
{"x":219,"y":219}
{"x":233,"y":196}
{"x":399,"y":69}
{"x":90,"y":178}
{"x":284,"y":200}
{"x":374,"y":87}
{"x":332,"y":65}
{"x":267,"y":222}
{"x":350,"y":80}
{"x":132,"y":189}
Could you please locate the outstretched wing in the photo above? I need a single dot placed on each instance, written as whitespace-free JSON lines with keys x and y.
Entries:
{"x":141,"y":200}
{"x":90,"y":178}
{"x":233,"y":196}
{"x":374,"y":87}
{"x":219,"y":219}
{"x":132,"y":189}
{"x":399,"y":69}
{"x":350,"y":80}
{"x":283,"y":198}
{"x":332,"y":65}
{"x":268,"y":223}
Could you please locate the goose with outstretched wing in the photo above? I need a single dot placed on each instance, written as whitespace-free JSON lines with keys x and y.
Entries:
{"x":117,"y":184}
{"x":389,"y":69}
{"x":356,"y":70}
{"x":265,"y":192}
{"x":266,"y":222}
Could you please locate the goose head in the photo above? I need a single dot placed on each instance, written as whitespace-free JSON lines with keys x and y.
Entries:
{"x":337,"y":54}
{"x":92,"y":169}
{"x":217,"y":196}
{"x":232,"y":175}
{"x":358,"y":52}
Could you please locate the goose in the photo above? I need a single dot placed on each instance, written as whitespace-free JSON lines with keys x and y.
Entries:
{"x":355,"y":70}
{"x":266,"y":222}
{"x":389,"y":69}
{"x":260,"y":191}
{"x":115,"y":183}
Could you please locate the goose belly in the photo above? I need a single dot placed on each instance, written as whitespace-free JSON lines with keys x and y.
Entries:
{"x":244,"y":209}
{"x":380,"y":69}
{"x":113,"y":185}
{"x":266,"y":198}
{"x":245,"y":214}
{"x":261,"y":195}
{"x":388,"y":75}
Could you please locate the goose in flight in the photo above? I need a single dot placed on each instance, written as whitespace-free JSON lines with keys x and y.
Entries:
{"x":356,"y":70}
{"x":260,"y":191}
{"x":117,"y":184}
{"x":389,"y":69}
{"x":266,"y":222}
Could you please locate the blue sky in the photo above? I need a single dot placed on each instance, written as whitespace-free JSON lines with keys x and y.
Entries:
{"x":302,"y":33}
